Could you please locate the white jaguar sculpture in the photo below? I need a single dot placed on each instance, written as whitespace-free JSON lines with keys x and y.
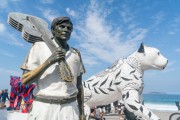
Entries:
{"x":124,"y":80}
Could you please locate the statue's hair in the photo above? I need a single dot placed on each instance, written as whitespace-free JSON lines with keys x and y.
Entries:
{"x":60,"y":20}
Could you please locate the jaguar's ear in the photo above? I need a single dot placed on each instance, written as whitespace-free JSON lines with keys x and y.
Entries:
{"x":141,"y":48}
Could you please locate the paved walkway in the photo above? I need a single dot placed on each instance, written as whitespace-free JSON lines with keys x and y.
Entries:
{"x":112,"y":117}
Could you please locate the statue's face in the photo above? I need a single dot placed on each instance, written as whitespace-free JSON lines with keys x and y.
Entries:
{"x":63,"y":31}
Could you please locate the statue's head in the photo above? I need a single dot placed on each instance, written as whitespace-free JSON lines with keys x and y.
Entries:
{"x":61,"y":28}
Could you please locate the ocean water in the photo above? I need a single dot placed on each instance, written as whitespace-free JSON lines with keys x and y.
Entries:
{"x":163,"y":102}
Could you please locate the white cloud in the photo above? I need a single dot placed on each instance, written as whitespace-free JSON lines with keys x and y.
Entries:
{"x":71,"y":12}
{"x":10,"y":72}
{"x":171,"y":33}
{"x":126,"y":14}
{"x":174,"y":26}
{"x":177,"y":19}
{"x":47,"y":1}
{"x":158,"y":18}
{"x":110,"y":1}
{"x":15,"y":0}
{"x":10,"y":38}
{"x":137,"y":34}
{"x":2,"y":27}
{"x":98,"y":38}
{"x":4,"y":3}
{"x":171,"y":66}
{"x":177,"y":50}
{"x":49,"y":14}
{"x":6,"y":53}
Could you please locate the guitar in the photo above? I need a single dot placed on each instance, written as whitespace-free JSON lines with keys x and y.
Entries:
{"x":21,"y":22}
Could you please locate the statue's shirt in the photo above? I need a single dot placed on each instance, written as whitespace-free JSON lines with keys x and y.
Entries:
{"x":50,"y":84}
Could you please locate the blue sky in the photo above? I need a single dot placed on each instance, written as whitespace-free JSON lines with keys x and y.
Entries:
{"x":104,"y":31}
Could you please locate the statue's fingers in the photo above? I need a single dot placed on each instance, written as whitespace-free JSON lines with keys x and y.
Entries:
{"x":60,"y":56}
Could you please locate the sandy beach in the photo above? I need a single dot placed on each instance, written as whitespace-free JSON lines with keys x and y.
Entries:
{"x":164,"y":115}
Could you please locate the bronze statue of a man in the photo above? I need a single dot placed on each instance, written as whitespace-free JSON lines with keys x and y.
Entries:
{"x":55,"y":99}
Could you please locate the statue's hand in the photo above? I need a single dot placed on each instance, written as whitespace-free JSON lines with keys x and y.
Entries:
{"x":57,"y":56}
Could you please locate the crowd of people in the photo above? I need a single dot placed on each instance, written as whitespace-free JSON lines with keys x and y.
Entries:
{"x":3,"y":97}
{"x":116,"y":107}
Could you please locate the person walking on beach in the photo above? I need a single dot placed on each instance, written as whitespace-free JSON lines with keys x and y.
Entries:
{"x":0,"y":96}
{"x":178,"y":105}
{"x":115,"y":104}
{"x":55,"y":99}
{"x":5,"y":96}
{"x":108,"y":108}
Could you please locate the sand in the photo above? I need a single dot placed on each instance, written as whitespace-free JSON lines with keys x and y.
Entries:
{"x":164,"y":115}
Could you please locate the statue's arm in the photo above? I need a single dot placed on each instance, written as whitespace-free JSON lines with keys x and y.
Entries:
{"x":80,"y":97}
{"x":31,"y":76}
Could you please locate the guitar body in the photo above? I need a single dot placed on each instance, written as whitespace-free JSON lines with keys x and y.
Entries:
{"x":22,"y":23}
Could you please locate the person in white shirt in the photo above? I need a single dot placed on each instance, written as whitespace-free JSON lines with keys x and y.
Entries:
{"x":55,"y":99}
